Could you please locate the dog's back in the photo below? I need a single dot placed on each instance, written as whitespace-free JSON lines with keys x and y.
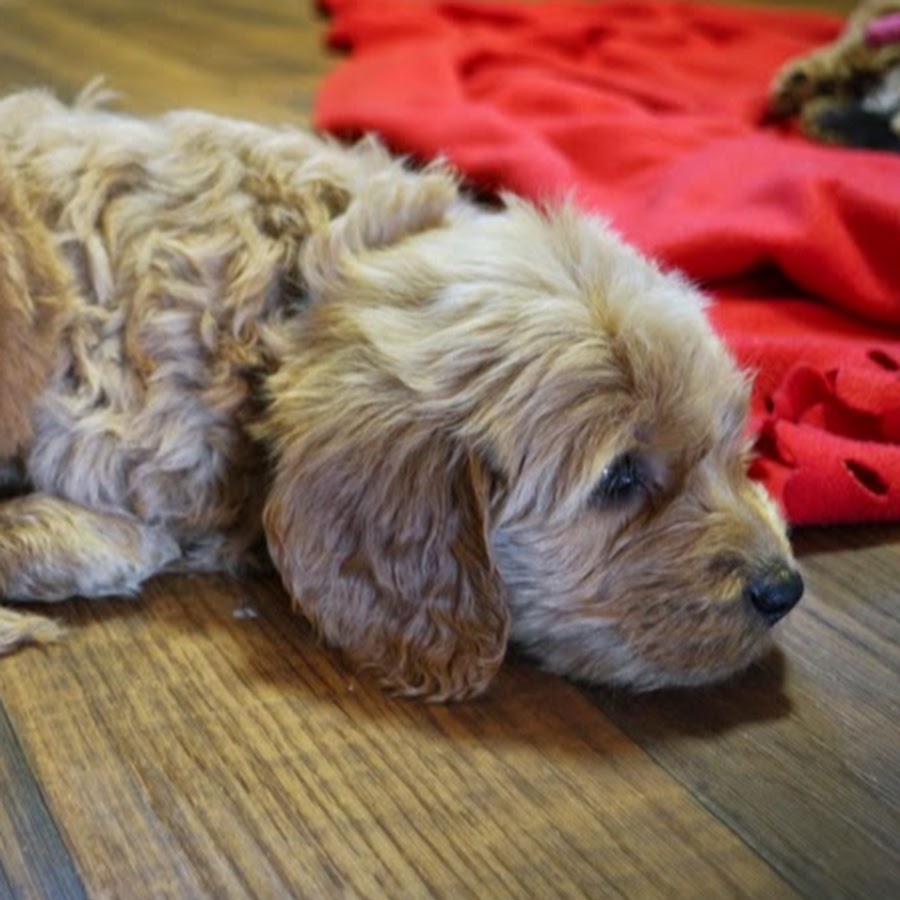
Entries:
{"x":174,"y":243}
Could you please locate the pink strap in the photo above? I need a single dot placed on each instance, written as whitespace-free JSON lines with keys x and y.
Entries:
{"x":883,"y":30}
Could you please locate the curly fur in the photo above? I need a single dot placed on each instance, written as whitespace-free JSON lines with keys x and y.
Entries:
{"x":230,"y":342}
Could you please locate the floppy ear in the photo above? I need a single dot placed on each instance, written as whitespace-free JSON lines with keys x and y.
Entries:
{"x":394,"y":203}
{"x":34,"y":296}
{"x":382,"y":542}
{"x":377,"y":518}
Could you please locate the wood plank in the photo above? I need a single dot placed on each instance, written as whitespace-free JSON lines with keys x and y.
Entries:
{"x":260,"y":61}
{"x":186,"y":752}
{"x":34,"y":861}
{"x":804,"y":760}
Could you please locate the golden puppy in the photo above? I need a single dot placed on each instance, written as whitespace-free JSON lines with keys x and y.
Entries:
{"x":451,"y":426}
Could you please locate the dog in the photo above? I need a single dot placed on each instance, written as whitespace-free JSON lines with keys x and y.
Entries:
{"x":448,"y":426}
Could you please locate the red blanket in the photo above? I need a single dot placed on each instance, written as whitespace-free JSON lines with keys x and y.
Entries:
{"x":651,"y":112}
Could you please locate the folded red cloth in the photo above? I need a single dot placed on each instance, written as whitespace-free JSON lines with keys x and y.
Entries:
{"x":652,"y":112}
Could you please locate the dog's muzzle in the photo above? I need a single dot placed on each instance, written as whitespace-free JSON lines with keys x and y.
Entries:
{"x":774,"y":590}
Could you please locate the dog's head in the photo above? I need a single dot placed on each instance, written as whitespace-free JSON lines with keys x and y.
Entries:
{"x":512,"y":424}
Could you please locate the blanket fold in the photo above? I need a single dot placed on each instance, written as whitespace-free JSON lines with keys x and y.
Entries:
{"x":651,"y":112}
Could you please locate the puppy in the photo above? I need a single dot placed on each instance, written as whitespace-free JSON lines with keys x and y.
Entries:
{"x":447,"y":427}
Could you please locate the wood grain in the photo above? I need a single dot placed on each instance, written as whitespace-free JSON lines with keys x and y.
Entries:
{"x":199,"y":743}
{"x":34,"y":856}
{"x":240,"y":758}
{"x":257,"y":60}
{"x":824,"y":803}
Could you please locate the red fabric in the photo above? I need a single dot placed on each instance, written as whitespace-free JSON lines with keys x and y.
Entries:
{"x":651,"y":112}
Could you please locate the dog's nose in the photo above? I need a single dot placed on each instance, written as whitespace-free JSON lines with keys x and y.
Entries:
{"x":774,"y":590}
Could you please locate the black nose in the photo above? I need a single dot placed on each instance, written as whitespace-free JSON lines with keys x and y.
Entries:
{"x":774,"y":590}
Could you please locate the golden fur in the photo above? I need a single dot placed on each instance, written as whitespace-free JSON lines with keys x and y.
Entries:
{"x":451,"y":427}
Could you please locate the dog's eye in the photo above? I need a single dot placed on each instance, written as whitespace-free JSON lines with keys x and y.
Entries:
{"x":621,"y":481}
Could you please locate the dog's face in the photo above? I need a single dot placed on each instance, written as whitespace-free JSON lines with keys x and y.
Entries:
{"x":513,"y":424}
{"x":656,"y":561}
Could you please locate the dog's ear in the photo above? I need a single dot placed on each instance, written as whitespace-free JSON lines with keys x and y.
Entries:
{"x":34,"y":298}
{"x":377,"y":517}
{"x":380,"y":535}
{"x":394,"y":203}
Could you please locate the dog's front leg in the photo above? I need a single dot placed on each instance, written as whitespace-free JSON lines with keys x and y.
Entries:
{"x":18,"y":628}
{"x":51,"y":549}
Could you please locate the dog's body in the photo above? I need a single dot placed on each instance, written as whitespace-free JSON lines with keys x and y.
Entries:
{"x":448,"y":425}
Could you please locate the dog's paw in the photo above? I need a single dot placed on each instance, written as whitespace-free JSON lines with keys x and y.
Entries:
{"x":18,"y":629}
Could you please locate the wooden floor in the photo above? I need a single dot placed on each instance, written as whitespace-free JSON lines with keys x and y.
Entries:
{"x":198,"y":743}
